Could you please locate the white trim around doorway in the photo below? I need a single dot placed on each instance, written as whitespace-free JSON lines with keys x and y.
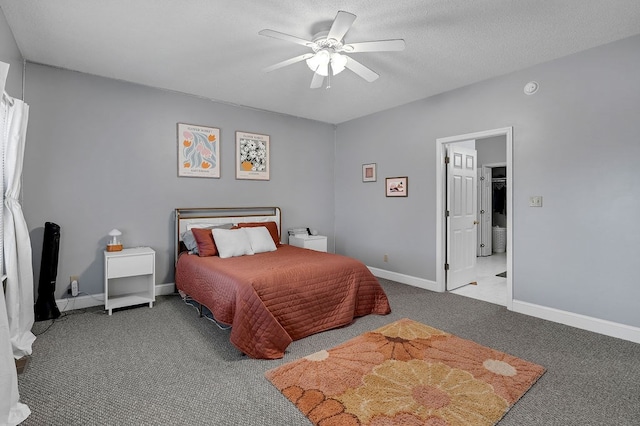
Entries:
{"x":441,"y":202}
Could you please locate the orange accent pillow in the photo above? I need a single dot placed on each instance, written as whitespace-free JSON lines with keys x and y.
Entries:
{"x":271,"y":227}
{"x":204,"y":239}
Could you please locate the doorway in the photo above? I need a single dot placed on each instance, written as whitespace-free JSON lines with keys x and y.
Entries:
{"x":442,"y":144}
{"x":491,"y":261}
{"x":492,"y":197}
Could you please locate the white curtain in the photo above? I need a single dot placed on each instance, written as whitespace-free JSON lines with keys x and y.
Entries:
{"x":16,"y":311}
{"x":17,"y":244}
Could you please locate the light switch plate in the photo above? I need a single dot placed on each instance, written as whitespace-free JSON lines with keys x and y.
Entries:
{"x":535,"y":201}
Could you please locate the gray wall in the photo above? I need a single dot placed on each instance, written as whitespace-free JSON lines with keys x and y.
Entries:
{"x":10,"y":54}
{"x":576,"y":142}
{"x":102,"y":154}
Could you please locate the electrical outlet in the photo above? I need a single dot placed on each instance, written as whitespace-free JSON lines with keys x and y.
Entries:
{"x":386,"y":258}
{"x":75,"y":285}
{"x":535,"y":201}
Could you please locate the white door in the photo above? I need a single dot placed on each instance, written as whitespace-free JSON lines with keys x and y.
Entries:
{"x":484,"y":211}
{"x":461,"y":221}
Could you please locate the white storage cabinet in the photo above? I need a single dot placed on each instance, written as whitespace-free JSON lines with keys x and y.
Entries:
{"x":129,"y":278}
{"x":313,"y":242}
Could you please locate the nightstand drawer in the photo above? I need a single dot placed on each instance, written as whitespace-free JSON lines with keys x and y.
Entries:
{"x":128,"y":266}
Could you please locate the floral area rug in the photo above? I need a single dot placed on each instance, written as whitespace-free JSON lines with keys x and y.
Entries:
{"x":405,"y":373}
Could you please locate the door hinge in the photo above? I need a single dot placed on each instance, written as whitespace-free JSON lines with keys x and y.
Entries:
{"x":446,"y":266}
{"x":446,"y":160}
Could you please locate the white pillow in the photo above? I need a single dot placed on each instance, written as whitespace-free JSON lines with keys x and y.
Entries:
{"x":260,"y":239}
{"x":189,"y":240}
{"x":232,"y":242}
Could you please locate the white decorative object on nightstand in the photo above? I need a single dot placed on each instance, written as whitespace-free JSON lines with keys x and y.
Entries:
{"x":313,"y":242}
{"x":129,"y":277}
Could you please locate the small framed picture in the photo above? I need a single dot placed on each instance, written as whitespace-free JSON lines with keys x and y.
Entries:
{"x":369,"y":172}
{"x":252,"y":156}
{"x":396,"y":186}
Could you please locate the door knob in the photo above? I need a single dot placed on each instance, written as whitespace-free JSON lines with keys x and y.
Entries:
{"x":475,"y":222}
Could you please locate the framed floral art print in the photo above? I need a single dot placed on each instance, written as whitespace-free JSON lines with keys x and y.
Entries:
{"x":198,"y":151}
{"x":252,"y":156}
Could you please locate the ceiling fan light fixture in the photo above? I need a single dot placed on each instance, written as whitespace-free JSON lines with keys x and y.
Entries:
{"x":319,"y":62}
{"x":338,"y":62}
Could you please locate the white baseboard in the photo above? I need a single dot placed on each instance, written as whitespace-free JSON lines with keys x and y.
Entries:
{"x":596,"y":325}
{"x":608,"y":328}
{"x":80,"y":302}
{"x":404,"y":279}
{"x":90,"y":300}
{"x":164,"y":289}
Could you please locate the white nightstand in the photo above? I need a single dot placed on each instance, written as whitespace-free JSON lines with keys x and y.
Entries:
{"x":313,"y":242}
{"x":129,"y":277}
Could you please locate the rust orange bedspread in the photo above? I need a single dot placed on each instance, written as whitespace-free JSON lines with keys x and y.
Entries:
{"x":271,"y":299}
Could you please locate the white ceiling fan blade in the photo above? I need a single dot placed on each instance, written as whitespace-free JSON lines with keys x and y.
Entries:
{"x":316,"y":81}
{"x":288,"y":62}
{"x":364,"y":72}
{"x":286,"y":37}
{"x":341,"y":25}
{"x":375,"y":46}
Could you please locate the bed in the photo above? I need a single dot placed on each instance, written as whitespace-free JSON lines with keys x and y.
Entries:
{"x":274,"y":297}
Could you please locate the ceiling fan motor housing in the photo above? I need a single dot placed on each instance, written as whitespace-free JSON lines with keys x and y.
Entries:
{"x":326,"y":54}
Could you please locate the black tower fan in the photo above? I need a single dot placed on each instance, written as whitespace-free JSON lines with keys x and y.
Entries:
{"x":46,"y":307}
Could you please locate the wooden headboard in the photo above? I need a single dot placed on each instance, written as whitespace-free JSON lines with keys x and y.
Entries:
{"x":186,"y":217}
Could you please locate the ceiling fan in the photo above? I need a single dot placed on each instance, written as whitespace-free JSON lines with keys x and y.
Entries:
{"x":328,"y":57}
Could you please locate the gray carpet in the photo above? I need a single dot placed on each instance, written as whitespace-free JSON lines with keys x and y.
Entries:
{"x":166,"y":366}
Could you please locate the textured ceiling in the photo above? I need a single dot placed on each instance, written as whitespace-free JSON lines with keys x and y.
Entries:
{"x":211,"y":48}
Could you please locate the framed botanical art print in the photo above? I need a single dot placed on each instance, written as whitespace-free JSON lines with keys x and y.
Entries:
{"x":198,"y":151}
{"x":252,"y":156}
{"x":369,"y":172}
{"x":396,"y":186}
